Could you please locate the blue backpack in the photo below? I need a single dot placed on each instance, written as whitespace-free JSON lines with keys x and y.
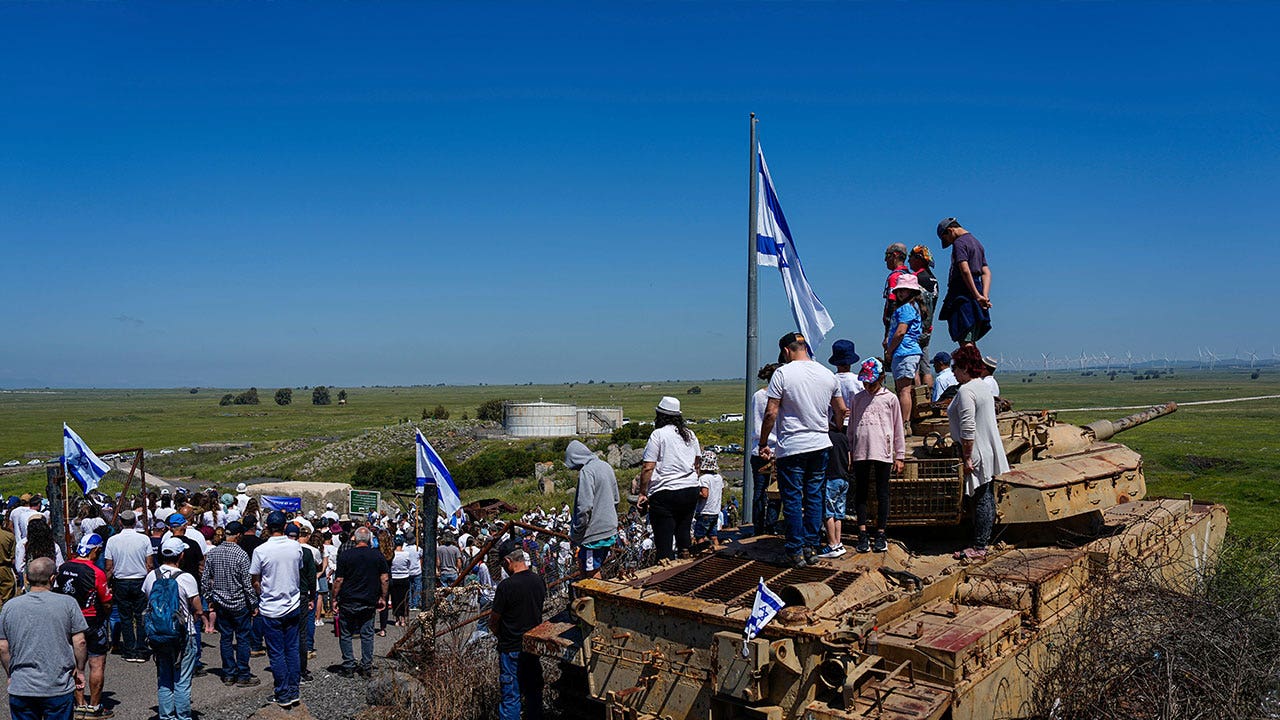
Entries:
{"x":165,"y":621}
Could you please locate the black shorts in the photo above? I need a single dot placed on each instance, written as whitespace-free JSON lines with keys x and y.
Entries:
{"x":838,"y":457}
{"x":97,"y":638}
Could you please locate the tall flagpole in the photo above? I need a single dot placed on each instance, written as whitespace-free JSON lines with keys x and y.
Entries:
{"x":748,"y":482}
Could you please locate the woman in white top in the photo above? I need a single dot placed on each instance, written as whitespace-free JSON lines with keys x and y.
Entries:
{"x":972,"y":417}
{"x":401,"y":570}
{"x":669,"y":480}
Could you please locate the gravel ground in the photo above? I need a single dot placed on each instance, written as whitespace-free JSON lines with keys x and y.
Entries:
{"x":130,"y":688}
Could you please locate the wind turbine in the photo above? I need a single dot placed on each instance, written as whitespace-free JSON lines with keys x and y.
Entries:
{"x":1046,"y":356}
{"x":1253,"y":358}
{"x":1106,"y":357}
{"x":1213,"y":358}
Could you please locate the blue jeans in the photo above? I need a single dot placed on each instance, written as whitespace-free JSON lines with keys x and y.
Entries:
{"x":520,"y":675}
{"x":802,"y":483}
{"x":233,"y":626}
{"x":308,"y":628}
{"x":349,"y":624}
{"x":58,"y":707}
{"x":255,"y":633}
{"x":130,"y":602}
{"x":281,"y":637}
{"x":984,"y":514}
{"x":415,"y":590}
{"x":173,"y":679}
{"x":764,"y":512}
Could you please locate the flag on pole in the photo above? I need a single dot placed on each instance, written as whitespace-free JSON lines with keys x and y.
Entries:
{"x":80,"y":462}
{"x":766,"y":605}
{"x":776,"y":248}
{"x":430,"y":466}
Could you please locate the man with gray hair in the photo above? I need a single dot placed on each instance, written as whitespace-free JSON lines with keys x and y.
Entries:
{"x":517,"y":609}
{"x":361,"y":587}
{"x":42,"y":648}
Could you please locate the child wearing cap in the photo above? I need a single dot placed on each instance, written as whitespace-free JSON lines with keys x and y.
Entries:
{"x":710,"y":494}
{"x":877,"y":444}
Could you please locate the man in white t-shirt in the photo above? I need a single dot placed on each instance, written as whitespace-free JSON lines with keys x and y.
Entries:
{"x":276,"y":572}
{"x":129,"y":559}
{"x":330,"y":516}
{"x":799,"y":395}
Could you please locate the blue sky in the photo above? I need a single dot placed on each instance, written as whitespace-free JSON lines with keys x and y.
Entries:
{"x":300,"y":193}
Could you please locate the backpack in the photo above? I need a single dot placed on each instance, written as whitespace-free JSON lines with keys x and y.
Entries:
{"x":165,"y":621}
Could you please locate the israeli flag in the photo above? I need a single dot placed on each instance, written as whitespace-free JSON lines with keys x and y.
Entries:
{"x":775,"y":248}
{"x":80,"y":462}
{"x":431,"y":467}
{"x":766,"y":605}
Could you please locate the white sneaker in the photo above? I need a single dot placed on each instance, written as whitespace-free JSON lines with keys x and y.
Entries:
{"x":319,"y":623}
{"x":832,"y":552}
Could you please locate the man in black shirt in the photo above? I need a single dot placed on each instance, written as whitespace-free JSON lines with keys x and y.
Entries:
{"x":517,"y":609}
{"x":360,"y":588}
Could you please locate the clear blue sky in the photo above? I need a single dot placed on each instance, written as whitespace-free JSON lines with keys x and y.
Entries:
{"x":352,"y":193}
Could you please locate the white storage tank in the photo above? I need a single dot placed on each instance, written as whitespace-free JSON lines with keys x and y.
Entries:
{"x":540,"y":419}
{"x":599,"y":420}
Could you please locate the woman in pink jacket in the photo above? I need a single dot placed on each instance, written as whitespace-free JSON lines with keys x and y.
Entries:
{"x":876,"y":444}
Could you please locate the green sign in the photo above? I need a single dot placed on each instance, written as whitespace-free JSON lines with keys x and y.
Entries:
{"x":364,"y":501}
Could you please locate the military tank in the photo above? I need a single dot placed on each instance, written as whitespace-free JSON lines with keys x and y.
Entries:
{"x":909,"y":634}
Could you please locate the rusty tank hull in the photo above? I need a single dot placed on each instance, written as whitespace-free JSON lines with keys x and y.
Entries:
{"x":909,"y":634}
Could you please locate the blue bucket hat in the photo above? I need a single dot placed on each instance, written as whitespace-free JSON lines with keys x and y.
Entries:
{"x":843,"y":353}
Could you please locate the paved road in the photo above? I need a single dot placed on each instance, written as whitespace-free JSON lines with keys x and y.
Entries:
{"x":130,"y":688}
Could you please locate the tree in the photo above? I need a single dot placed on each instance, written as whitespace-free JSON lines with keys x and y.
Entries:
{"x":320,"y":395}
{"x":193,"y":391}
{"x":248,"y":397}
{"x":284,"y":396}
{"x":342,"y":396}
{"x":695,"y":390}
{"x":227,"y":399}
{"x":439,"y":412}
{"x":491,"y":410}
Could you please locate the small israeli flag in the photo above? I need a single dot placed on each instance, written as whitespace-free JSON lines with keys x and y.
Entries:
{"x":766,"y":605}
{"x":430,"y":466}
{"x":776,"y":248}
{"x":80,"y":462}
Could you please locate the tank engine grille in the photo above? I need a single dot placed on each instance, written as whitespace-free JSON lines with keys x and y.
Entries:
{"x":730,"y":580}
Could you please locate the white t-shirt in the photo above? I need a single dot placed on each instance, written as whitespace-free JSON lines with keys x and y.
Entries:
{"x":330,"y":516}
{"x":210,"y":521}
{"x":187,"y":589}
{"x":402,"y":565}
{"x":331,"y":554}
{"x":992,"y":385}
{"x":715,"y":489}
{"x":759,"y":403}
{"x":242,"y":501}
{"x":129,"y":551}
{"x":415,"y":558}
{"x":805,"y":389}
{"x":19,"y":518}
{"x":192,"y":534}
{"x":232,"y":514}
{"x":850,"y":385}
{"x":279,"y":562}
{"x":942,"y":381}
{"x":674,"y":459}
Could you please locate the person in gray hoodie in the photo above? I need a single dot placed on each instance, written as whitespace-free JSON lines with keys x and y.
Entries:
{"x":595,"y":508}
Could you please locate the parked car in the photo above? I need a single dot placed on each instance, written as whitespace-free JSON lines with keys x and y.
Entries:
{"x":12,"y":463}
{"x":184,"y":449}
{"x":35,"y":462}
{"x":166,"y":451}
{"x":108,"y":457}
{"x":734,"y":449}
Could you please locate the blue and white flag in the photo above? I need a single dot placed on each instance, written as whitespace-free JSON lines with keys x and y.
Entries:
{"x":776,"y":248}
{"x":80,"y":461}
{"x":766,"y":605}
{"x":431,"y":467}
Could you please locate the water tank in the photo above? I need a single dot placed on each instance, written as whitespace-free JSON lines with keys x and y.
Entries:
{"x":540,"y":419}
{"x":599,"y":420}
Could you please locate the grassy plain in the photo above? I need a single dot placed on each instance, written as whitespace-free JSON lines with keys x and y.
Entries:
{"x":1227,"y":453}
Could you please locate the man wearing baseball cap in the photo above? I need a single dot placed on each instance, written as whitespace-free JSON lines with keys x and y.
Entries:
{"x":967,"y":306}
{"x":175,"y":665}
{"x":192,"y":564}
{"x":799,"y":394}
{"x":80,"y":578}
{"x":276,"y":571}
{"x":943,"y":376}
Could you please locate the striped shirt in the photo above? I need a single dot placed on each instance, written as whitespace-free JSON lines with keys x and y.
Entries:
{"x":226,"y":577}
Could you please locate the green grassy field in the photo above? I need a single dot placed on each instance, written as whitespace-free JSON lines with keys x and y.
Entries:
{"x":1226,"y":453}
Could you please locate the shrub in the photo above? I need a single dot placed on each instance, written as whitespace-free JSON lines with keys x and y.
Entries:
{"x":695,"y":390}
{"x":491,"y":410}
{"x":342,"y":396}
{"x":284,"y":396}
{"x":629,"y":432}
{"x":320,"y":395}
{"x":227,"y":399}
{"x":248,"y":397}
{"x":193,"y":391}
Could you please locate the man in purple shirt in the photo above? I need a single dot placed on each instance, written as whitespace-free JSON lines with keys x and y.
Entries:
{"x":967,"y":306}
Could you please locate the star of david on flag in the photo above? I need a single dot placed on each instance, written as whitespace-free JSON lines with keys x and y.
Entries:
{"x":766,"y":605}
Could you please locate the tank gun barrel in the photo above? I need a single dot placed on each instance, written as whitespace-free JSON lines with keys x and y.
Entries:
{"x":1105,"y":429}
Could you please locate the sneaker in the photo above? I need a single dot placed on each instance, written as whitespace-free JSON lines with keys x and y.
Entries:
{"x":82,"y":710}
{"x":250,"y":681}
{"x":295,"y":702}
{"x":200,"y":671}
{"x":881,"y":543}
{"x":100,"y":712}
{"x":808,"y":554}
{"x":311,"y":654}
{"x":228,"y":680}
{"x":365,"y":672}
{"x":257,"y":653}
{"x":832,"y":552}
{"x":864,"y":543}
{"x":797,"y":561}
{"x":305,"y":678}
{"x":319,"y":622}
{"x":135,"y":659}
{"x":346,"y":672}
